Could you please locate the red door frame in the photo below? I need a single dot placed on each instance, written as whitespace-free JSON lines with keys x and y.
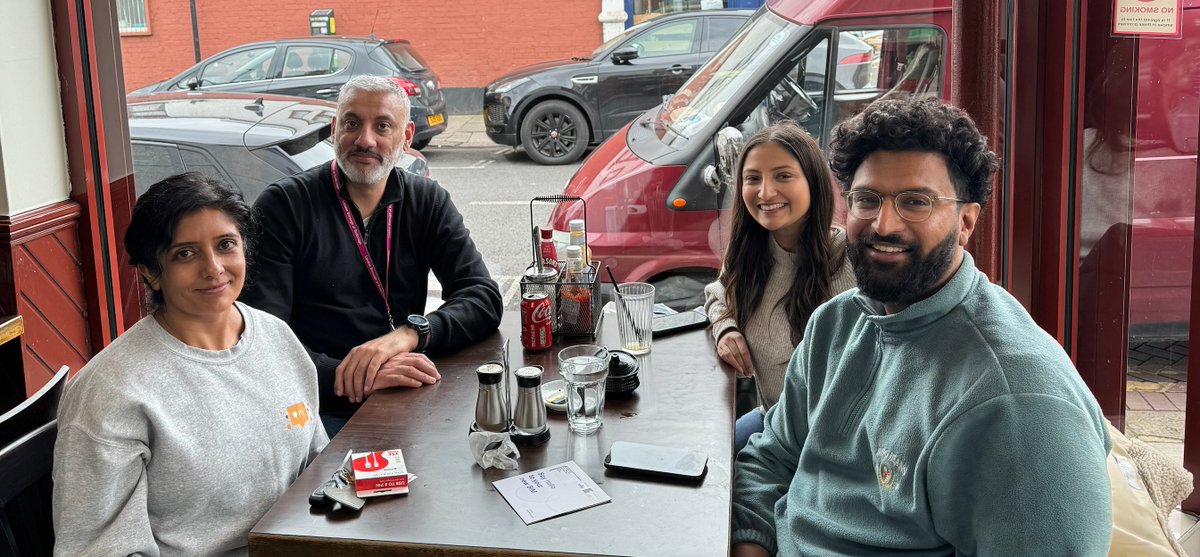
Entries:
{"x":86,"y":98}
{"x":1045,"y":108}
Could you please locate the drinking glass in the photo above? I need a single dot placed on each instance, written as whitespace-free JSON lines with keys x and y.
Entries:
{"x":584,"y":367}
{"x":635,"y":314}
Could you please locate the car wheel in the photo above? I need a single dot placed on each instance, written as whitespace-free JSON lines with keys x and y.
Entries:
{"x":554,"y":132}
{"x":420,"y":144}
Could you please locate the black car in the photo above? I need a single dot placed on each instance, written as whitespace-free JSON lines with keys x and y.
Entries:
{"x":556,"y":109}
{"x":250,"y":141}
{"x":316,"y":67}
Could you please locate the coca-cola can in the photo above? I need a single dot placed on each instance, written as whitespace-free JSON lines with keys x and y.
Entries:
{"x":537,"y":318}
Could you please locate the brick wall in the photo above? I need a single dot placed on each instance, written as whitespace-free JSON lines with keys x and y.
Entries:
{"x":467,"y":42}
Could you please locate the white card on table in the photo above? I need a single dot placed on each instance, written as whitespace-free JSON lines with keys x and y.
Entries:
{"x":551,"y":492}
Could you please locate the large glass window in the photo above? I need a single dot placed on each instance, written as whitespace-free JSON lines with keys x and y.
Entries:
{"x":1136,"y":223}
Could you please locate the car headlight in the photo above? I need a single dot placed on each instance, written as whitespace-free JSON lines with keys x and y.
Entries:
{"x":510,"y":85}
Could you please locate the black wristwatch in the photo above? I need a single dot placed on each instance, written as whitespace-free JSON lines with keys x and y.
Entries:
{"x":419,"y":324}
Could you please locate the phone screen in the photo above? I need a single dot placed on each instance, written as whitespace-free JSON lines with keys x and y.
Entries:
{"x":678,"y":322}
{"x":654,"y":459}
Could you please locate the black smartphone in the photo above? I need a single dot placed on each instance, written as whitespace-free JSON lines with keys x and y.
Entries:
{"x":678,"y":322}
{"x":670,"y":462}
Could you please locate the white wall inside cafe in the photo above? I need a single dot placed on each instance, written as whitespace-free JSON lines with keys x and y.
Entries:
{"x":33,"y":153}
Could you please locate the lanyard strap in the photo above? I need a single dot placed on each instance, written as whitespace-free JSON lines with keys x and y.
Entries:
{"x":381,"y":286}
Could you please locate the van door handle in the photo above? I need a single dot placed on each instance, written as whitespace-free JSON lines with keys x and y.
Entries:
{"x":327,"y":92}
{"x":677,"y":69}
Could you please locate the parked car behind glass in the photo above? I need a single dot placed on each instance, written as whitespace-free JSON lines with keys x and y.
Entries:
{"x":556,"y":109}
{"x":250,"y":141}
{"x":317,"y":67}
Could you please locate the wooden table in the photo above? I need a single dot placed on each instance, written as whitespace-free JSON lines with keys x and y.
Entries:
{"x":685,"y":400}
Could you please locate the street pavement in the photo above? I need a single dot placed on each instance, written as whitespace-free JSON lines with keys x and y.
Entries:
{"x":1156,"y":391}
{"x":491,"y":185}
{"x":462,"y":131}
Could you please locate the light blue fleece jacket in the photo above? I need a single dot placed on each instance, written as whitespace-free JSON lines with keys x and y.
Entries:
{"x":954,"y":427}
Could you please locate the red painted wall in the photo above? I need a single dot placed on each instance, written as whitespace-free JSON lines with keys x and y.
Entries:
{"x":468,"y":43}
{"x":41,"y":279}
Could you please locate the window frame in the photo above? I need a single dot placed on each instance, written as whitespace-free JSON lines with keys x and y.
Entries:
{"x":697,"y":37}
{"x":147,"y":31}
{"x":334,"y":51}
{"x":269,"y":73}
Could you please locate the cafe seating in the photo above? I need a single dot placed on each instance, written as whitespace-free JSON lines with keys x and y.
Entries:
{"x":26,"y":523}
{"x":38,"y":410}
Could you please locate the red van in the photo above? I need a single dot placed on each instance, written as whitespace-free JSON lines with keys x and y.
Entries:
{"x":653,"y":214}
{"x":657,"y":190}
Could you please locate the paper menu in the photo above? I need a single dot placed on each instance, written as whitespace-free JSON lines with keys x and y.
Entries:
{"x":550,"y":492}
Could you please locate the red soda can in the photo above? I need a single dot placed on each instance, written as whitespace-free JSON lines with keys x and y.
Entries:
{"x":536,"y":317}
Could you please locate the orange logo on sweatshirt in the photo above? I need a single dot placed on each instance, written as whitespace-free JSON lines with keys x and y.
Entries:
{"x":297,"y":415}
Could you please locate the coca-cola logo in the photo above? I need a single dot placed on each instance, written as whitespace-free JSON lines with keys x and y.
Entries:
{"x":541,"y":313}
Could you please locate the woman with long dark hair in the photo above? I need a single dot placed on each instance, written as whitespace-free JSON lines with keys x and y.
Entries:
{"x":181,"y":434}
{"x":784,"y":259}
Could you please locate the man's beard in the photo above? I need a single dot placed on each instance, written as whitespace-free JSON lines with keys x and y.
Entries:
{"x":903,"y":284}
{"x":378,"y":174}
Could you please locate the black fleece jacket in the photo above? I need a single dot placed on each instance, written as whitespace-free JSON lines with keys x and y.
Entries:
{"x":306,"y":269}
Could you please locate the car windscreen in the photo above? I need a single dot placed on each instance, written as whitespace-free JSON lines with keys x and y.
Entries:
{"x":404,"y":55}
{"x":764,"y":38}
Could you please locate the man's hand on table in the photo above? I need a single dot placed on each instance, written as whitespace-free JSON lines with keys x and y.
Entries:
{"x":747,"y":549}
{"x":387,"y":361}
{"x":410,"y":369}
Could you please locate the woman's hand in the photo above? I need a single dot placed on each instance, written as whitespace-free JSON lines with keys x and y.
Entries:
{"x":733,"y":350}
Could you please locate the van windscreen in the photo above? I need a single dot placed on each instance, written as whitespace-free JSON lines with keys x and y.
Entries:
{"x":764,"y":38}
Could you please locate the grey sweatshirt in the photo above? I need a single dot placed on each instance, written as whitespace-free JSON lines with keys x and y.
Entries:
{"x":165,"y":449}
{"x":768,"y":333}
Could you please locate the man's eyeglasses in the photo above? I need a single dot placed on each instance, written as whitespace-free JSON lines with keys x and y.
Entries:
{"x":910,"y":205}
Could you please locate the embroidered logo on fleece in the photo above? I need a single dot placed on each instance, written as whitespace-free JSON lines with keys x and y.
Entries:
{"x":297,"y":415}
{"x":889,"y":469}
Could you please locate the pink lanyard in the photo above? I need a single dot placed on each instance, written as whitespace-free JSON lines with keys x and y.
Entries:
{"x":380,"y":286}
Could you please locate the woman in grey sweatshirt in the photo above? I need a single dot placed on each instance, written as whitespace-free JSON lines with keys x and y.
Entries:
{"x":784,"y":259}
{"x":180,"y":435}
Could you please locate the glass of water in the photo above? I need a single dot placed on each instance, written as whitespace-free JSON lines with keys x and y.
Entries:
{"x":584,"y":367}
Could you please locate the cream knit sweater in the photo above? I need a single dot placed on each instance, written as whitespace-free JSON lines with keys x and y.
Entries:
{"x":767,"y":332}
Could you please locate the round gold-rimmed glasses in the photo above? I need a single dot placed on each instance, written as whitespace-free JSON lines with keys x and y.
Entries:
{"x":912,"y":206}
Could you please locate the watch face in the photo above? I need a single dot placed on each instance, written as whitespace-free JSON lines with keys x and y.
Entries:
{"x":418,"y":322}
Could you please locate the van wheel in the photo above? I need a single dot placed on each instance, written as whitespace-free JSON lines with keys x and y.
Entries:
{"x":554,"y":132}
{"x":419,"y":144}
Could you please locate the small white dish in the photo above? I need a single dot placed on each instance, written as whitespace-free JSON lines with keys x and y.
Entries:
{"x":554,"y":394}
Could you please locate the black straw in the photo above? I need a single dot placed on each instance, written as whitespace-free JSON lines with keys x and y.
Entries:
{"x":621,"y":302}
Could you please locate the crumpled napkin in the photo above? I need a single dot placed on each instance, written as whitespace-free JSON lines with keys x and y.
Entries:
{"x":493,"y":450}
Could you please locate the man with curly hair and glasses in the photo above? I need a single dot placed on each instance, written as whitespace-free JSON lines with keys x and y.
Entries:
{"x":924,"y":413}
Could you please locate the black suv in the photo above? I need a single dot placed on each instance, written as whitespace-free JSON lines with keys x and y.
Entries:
{"x":316,"y":67}
{"x":247,"y":140}
{"x":555,"y":109}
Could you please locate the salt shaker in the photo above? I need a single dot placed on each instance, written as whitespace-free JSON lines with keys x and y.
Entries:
{"x":529,"y":416}
{"x":491,"y":404}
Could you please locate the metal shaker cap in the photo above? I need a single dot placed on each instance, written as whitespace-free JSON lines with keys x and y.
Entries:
{"x":529,"y":376}
{"x":547,"y":274}
{"x":490,"y":373}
